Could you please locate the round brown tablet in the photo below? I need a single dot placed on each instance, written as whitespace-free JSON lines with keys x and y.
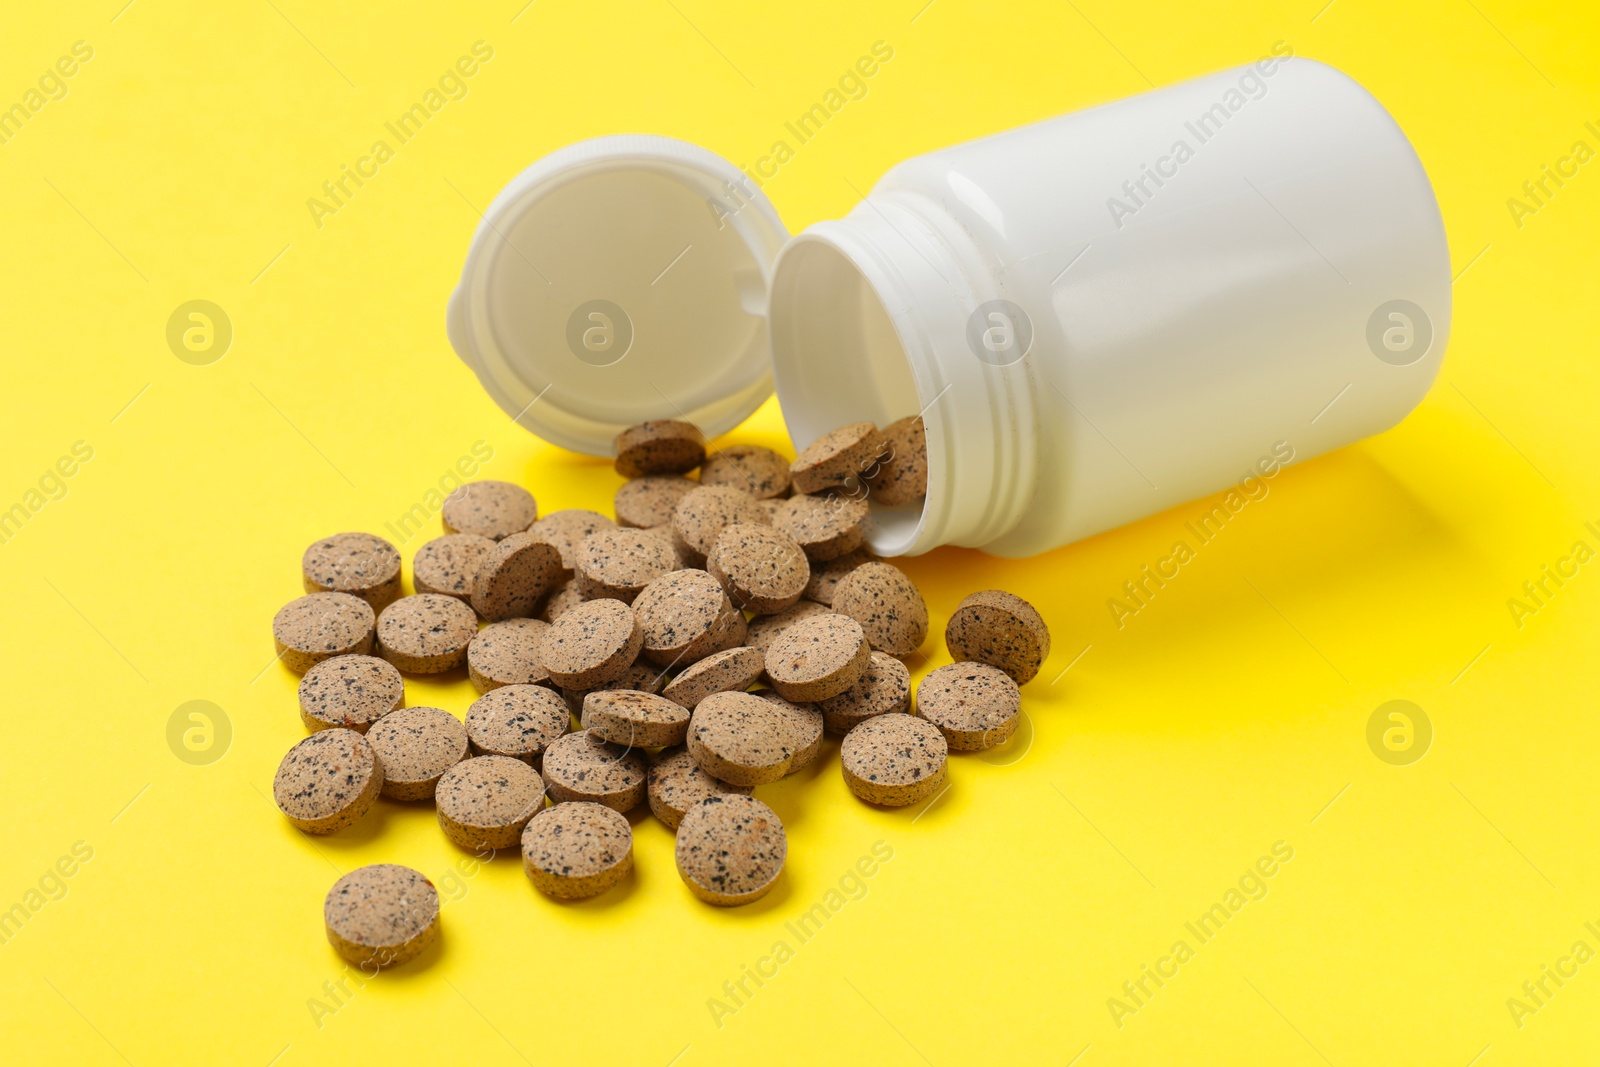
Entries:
{"x":565,"y":598}
{"x":741,"y":739}
{"x":416,"y":746}
{"x":703,"y":513}
{"x":677,"y":783}
{"x":974,"y":705}
{"x":805,"y":726}
{"x":827,"y":527}
{"x":355,"y":563}
{"x":884,"y":689}
{"x":761,"y":472}
{"x":660,"y":446}
{"x":894,"y":759}
{"x":515,"y":577}
{"x":649,"y":501}
{"x":520,"y":721}
{"x":566,"y":529}
{"x":760,"y":569}
{"x":818,"y":658}
{"x":591,"y":644}
{"x":579,"y":850}
{"x":837,"y":460}
{"x":1002,"y":630}
{"x":489,"y":509}
{"x":449,"y":565}
{"x":901,"y":477}
{"x":381,"y":915}
{"x":427,"y":633}
{"x":328,"y":781}
{"x":350,"y":691}
{"x":507,"y":653}
{"x":582,"y":766}
{"x":319,"y":626}
{"x":733,"y":670}
{"x":484,"y":802}
{"x":685,"y":616}
{"x":640,"y":677}
{"x":888,"y":606}
{"x":730,"y":849}
{"x":765,"y":629}
{"x":631,"y":718}
{"x":825,"y":577}
{"x":618,"y":564}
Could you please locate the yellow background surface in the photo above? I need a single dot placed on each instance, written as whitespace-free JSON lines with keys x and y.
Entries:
{"x":1160,"y":760}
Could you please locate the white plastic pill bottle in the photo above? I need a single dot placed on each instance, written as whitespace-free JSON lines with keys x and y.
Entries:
{"x":1097,"y":316}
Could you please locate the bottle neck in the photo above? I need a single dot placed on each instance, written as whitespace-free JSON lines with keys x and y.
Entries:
{"x":889,"y":312}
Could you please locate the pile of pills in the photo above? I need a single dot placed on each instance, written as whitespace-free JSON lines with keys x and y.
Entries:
{"x":706,"y":639}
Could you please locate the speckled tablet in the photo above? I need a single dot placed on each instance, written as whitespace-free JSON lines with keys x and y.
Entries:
{"x":416,"y":746}
{"x":640,"y":677}
{"x":685,"y":616}
{"x":894,"y":760}
{"x":902,"y":477}
{"x":520,"y":721}
{"x":350,"y":691}
{"x":582,"y":766}
{"x":507,"y":653}
{"x":427,"y":633}
{"x":578,"y":850}
{"x":761,"y":472}
{"x":733,"y":670}
{"x":805,"y":725}
{"x":566,"y":529}
{"x":660,"y":446}
{"x":619,"y":563}
{"x":355,"y":563}
{"x":319,"y":626}
{"x":887,"y":604}
{"x":884,"y":689}
{"x":703,"y":513}
{"x":566,"y":597}
{"x":1002,"y":630}
{"x":741,"y":739}
{"x":328,"y":781}
{"x":825,"y":577}
{"x":730,"y":849}
{"x":818,"y":658}
{"x":974,"y":705}
{"x":484,"y":802}
{"x":634,"y":719}
{"x":826,"y":527}
{"x":449,"y":565}
{"x":381,"y":915}
{"x":837,"y":460}
{"x":765,"y":629}
{"x":760,"y":569}
{"x":490,"y":509}
{"x":514,"y":578}
{"x":677,"y":783}
{"x":649,"y":501}
{"x":591,"y":644}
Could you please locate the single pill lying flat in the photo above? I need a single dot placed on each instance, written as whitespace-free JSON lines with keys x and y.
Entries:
{"x":730,"y":849}
{"x":741,"y":739}
{"x":328,"y":781}
{"x":566,"y":529}
{"x":577,"y":850}
{"x":761,"y":472}
{"x":887,"y":604}
{"x":591,"y":644}
{"x":818,"y":658}
{"x":634,"y":719}
{"x":350,"y":691}
{"x":805,"y":728}
{"x":894,"y":759}
{"x":825,"y":577}
{"x":703,"y":513}
{"x":760,"y":569}
{"x":902,"y":477}
{"x":484,"y":802}
{"x":513,"y":579}
{"x":381,"y":915}
{"x":649,"y":501}
{"x":733,"y":670}
{"x":427,"y":633}
{"x":766,"y":629}
{"x":449,"y":565}
{"x":1002,"y":630}
{"x":507,"y":653}
{"x":582,"y":766}
{"x":619,"y":564}
{"x":319,"y":626}
{"x":660,"y":446}
{"x":489,"y":509}
{"x":838,"y":460}
{"x":416,"y":746}
{"x":677,"y":784}
{"x":825,"y":527}
{"x":884,"y":689}
{"x":974,"y":705}
{"x":685,"y":616}
{"x":520,"y":721}
{"x":355,"y":563}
